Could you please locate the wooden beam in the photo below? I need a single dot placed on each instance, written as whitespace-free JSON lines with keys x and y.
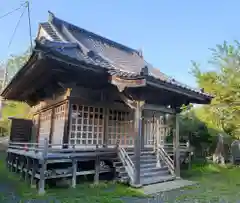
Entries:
{"x":158,"y":108}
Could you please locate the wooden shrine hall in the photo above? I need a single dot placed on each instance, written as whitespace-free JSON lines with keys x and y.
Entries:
{"x":89,"y":92}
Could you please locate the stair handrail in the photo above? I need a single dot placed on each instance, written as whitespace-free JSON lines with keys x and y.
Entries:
{"x":167,"y":159}
{"x":127,"y":162}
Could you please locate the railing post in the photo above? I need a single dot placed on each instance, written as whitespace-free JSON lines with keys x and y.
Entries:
{"x":158,"y":158}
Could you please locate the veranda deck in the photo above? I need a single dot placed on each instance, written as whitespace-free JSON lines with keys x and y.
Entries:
{"x":38,"y":164}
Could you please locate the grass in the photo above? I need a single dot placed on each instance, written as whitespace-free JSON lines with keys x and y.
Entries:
{"x":102,"y":193}
{"x":216,"y":183}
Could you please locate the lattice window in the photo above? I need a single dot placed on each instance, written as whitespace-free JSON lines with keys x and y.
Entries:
{"x":45,"y":124}
{"x":59,"y":113}
{"x":86,"y":125}
{"x":120,"y":127}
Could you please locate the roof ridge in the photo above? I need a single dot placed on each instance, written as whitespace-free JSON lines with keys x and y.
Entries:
{"x":53,"y":18}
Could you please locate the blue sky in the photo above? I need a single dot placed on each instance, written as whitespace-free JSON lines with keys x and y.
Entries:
{"x":170,"y":33}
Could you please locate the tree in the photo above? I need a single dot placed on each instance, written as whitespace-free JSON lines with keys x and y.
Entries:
{"x":15,"y":62}
{"x":224,"y":84}
{"x":13,"y":108}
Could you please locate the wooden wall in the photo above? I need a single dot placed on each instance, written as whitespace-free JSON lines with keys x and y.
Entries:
{"x":49,"y":118}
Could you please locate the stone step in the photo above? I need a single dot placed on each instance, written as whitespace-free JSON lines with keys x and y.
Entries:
{"x":153,"y":180}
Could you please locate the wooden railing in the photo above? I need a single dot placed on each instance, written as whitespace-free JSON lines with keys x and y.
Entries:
{"x":127,"y":163}
{"x":166,"y":158}
{"x":169,"y":148}
{"x":54,"y":148}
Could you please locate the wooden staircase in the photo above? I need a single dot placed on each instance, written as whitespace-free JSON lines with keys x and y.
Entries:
{"x":150,"y":171}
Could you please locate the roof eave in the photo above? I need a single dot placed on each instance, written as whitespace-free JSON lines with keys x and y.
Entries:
{"x":201,"y":97}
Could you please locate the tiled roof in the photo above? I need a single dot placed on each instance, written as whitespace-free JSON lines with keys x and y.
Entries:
{"x":91,"y":48}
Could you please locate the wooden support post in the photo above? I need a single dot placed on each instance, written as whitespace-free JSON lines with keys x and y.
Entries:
{"x":97,"y":168}
{"x":43,"y":167}
{"x":105,"y":127}
{"x":6,"y":160}
{"x":34,"y":168}
{"x":137,"y":143}
{"x":74,"y":172}
{"x":22,"y":167}
{"x":27,"y":169}
{"x":143,"y":131}
{"x":17,"y":163}
{"x":10,"y":162}
{"x":67,"y":121}
{"x":51,"y":125}
{"x":177,"y":151}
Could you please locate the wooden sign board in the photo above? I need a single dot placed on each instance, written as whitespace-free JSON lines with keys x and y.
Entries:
{"x":122,"y":83}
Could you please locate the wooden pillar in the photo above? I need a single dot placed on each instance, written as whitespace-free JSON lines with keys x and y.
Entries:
{"x":74,"y":172}
{"x":38,"y":127}
{"x":143,"y":130}
{"x":51,"y":125}
{"x":97,"y":168}
{"x":177,"y":148}
{"x":137,"y":141}
{"x":67,"y":124}
{"x":105,"y":127}
{"x":34,"y":169}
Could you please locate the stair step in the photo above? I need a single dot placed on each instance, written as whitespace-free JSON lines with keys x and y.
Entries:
{"x":145,"y":157}
{"x":120,"y":168}
{"x":143,"y":150}
{"x":123,"y":174}
{"x":161,"y":173}
{"x":124,"y":179}
{"x":153,"y":169}
{"x":146,"y":161}
{"x":117,"y":164}
{"x":153,"y":180}
{"x":148,"y":165}
{"x":142,"y":154}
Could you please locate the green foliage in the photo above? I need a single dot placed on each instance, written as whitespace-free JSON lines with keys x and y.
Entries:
{"x":13,"y":108}
{"x":223,"y":114}
{"x":15,"y":62}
